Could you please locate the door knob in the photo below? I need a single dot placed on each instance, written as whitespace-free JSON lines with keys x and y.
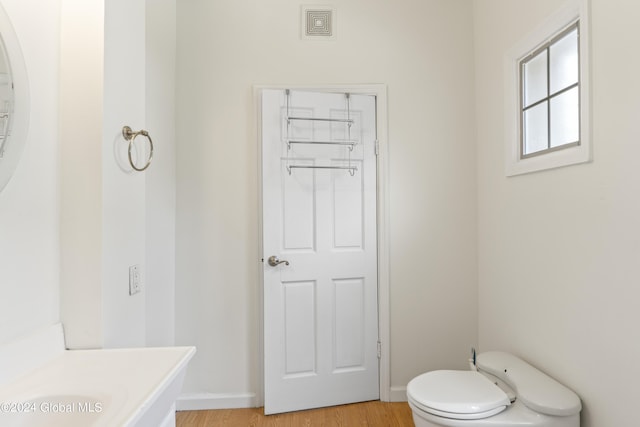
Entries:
{"x":273,"y":261}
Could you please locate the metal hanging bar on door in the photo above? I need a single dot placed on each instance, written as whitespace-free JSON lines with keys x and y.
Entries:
{"x":352,"y":169}
{"x":320,"y":119}
{"x":349,"y":142}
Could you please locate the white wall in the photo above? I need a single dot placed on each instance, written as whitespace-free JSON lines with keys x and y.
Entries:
{"x":81,"y":89}
{"x":103,"y":206}
{"x":29,"y":255}
{"x":123,"y":189}
{"x":559,"y":251}
{"x":161,"y":177}
{"x":101,"y":227}
{"x":422,"y":50}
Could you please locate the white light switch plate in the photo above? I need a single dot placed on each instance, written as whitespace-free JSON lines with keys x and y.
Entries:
{"x":134,"y":279}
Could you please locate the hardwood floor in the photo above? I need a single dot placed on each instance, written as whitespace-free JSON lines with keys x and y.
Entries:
{"x":372,"y":414}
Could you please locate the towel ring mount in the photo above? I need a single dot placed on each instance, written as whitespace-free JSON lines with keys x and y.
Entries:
{"x":130,"y":136}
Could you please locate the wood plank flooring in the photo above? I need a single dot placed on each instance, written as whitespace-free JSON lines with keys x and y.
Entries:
{"x":370,"y":414}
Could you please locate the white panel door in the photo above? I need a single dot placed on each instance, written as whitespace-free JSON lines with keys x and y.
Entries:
{"x":319,"y":215}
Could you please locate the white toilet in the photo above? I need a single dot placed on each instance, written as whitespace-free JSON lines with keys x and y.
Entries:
{"x":501,"y":390}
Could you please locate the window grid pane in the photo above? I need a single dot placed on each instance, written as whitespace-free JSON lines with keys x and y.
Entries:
{"x":535,"y":79}
{"x":564,"y":118}
{"x":536,"y":133}
{"x":564,"y":62}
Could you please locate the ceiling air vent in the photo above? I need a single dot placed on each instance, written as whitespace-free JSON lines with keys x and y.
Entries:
{"x":318,"y":23}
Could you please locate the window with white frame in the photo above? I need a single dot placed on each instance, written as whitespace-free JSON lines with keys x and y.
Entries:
{"x":550,"y":95}
{"x":547,"y":122}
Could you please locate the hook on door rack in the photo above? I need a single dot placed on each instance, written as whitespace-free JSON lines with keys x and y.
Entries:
{"x":130,"y":136}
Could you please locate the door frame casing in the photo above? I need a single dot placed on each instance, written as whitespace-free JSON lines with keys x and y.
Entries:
{"x":382,"y":226}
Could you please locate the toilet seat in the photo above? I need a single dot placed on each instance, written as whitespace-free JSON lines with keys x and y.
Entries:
{"x":463,"y":395}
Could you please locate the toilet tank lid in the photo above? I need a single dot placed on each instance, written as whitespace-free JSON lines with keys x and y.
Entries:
{"x":534,"y":388}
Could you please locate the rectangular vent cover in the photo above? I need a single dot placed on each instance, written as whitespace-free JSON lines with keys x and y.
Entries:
{"x":318,"y":23}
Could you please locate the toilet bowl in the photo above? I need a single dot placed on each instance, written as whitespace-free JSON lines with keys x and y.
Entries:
{"x":501,"y":390}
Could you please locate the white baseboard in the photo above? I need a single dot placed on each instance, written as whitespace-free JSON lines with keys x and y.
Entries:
{"x":170,"y":419}
{"x":398,"y":394}
{"x":204,"y":401}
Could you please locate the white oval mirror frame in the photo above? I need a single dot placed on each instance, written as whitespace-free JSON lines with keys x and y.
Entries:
{"x":17,"y":122}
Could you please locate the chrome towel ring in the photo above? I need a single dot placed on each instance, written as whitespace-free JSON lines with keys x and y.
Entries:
{"x":130,"y":136}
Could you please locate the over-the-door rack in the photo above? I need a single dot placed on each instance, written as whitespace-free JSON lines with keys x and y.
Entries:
{"x":349,"y":142}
